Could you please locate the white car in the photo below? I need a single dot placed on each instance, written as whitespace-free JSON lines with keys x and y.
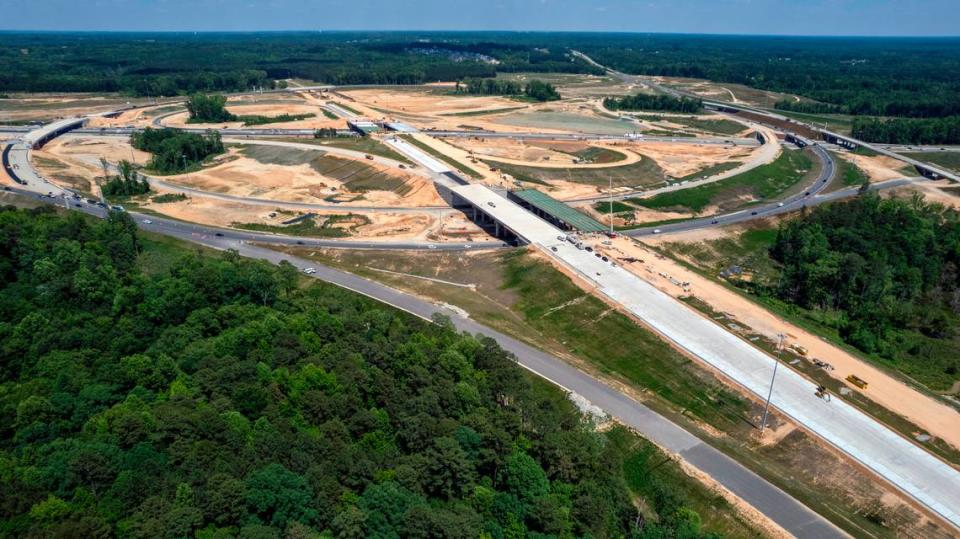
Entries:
{"x":310,"y":271}
{"x":656,"y":230}
{"x":147,"y":222}
{"x":431,"y":246}
{"x":780,"y":205}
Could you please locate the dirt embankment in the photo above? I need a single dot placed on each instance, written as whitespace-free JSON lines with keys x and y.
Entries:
{"x":877,"y":168}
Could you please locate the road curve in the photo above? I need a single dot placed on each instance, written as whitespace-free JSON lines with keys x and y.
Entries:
{"x":808,"y":197}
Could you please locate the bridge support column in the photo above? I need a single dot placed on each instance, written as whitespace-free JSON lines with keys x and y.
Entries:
{"x":496,"y":229}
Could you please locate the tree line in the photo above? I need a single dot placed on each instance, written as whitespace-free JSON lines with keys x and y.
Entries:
{"x":164,"y":64}
{"x":175,"y":150}
{"x":908,"y":77}
{"x":908,"y":130}
{"x":535,"y":89}
{"x":884,"y":272}
{"x":182,"y":395}
{"x":654,"y":102}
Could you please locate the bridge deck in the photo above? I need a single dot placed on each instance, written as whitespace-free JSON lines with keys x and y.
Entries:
{"x":42,"y":134}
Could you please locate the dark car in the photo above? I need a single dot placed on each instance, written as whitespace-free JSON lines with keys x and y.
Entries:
{"x":219,"y":234}
{"x":753,"y":213}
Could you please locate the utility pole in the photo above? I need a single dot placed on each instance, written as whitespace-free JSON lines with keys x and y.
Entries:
{"x":610,"y":191}
{"x":776,"y":363}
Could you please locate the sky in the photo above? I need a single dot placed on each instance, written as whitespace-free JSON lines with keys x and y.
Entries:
{"x":788,"y":17}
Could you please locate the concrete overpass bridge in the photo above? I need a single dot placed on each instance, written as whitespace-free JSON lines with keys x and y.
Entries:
{"x":925,"y":169}
{"x":38,"y":137}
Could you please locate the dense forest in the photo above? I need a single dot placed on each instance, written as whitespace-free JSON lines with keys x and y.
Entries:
{"x":908,"y":130}
{"x":653,"y":102}
{"x":175,"y":150}
{"x":913,"y":77}
{"x":885,"y":273}
{"x":148,"y":64}
{"x":165,"y":393}
{"x":908,"y":77}
{"x":536,"y":90}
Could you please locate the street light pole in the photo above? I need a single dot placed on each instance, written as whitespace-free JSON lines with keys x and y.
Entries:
{"x":610,"y":191}
{"x":776,"y":363}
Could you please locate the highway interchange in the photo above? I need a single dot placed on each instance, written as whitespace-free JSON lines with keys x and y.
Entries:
{"x":721,"y":352}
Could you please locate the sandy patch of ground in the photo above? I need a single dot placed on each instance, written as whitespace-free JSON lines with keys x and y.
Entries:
{"x":932,"y":191}
{"x":542,"y":154}
{"x":942,"y":192}
{"x":267,"y":109}
{"x":938,"y":419}
{"x":73,"y":162}
{"x":139,"y":117}
{"x":113,"y":149}
{"x":381,"y":225}
{"x":427,"y":103}
{"x":45,"y":107}
{"x":877,"y":168}
{"x":242,"y":176}
{"x":680,"y":160}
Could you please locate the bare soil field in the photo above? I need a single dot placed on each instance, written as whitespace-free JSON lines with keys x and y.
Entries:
{"x":141,"y":117}
{"x":47,"y":107}
{"x":368,"y":226}
{"x":941,"y":191}
{"x":548,"y":154}
{"x":679,"y":160}
{"x":74,"y":162}
{"x":286,"y":174}
{"x":427,"y":103}
{"x":878,"y":168}
{"x":270,"y":109}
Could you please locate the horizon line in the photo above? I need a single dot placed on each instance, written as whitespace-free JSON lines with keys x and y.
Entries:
{"x":425,"y":31}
